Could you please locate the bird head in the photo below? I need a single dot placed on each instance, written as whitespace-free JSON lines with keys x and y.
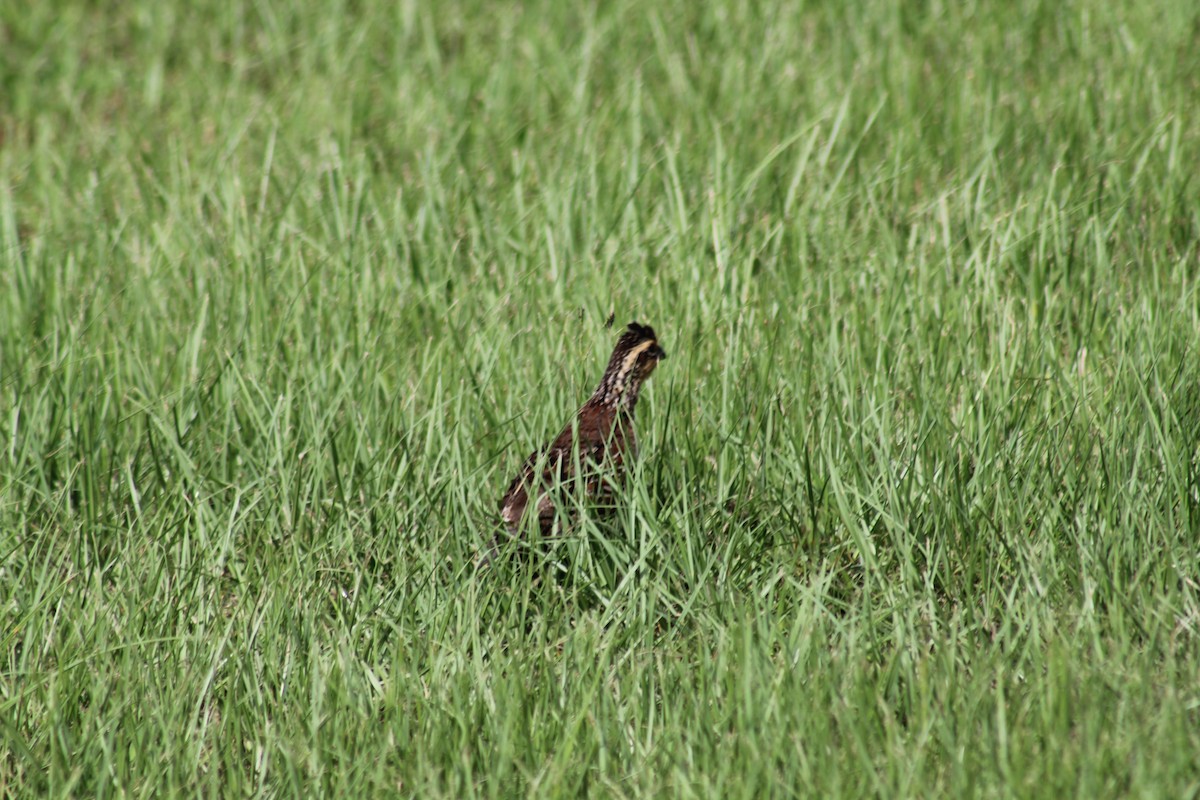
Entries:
{"x":633,"y":359}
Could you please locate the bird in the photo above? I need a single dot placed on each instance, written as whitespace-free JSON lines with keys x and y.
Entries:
{"x":603,"y":429}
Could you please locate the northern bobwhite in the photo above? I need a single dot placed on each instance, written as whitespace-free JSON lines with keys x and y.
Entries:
{"x":603,"y":428}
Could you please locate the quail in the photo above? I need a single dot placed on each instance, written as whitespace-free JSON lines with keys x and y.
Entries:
{"x":603,"y":429}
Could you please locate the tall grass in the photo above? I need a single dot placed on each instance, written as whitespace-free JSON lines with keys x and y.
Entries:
{"x":288,"y":290}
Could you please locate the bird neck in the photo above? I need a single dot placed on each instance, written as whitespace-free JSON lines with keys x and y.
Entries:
{"x":618,"y":393}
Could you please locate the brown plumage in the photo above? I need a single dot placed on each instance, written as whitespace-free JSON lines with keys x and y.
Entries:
{"x":603,"y":428}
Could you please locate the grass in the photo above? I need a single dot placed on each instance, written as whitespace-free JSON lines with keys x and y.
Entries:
{"x":287,"y":291}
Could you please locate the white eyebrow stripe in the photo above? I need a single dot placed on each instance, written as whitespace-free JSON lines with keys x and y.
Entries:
{"x":633,"y":354}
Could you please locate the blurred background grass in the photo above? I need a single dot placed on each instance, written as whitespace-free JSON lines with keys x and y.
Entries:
{"x":288,"y":290}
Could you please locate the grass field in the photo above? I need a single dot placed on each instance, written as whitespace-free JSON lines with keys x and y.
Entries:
{"x":287,"y":291}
